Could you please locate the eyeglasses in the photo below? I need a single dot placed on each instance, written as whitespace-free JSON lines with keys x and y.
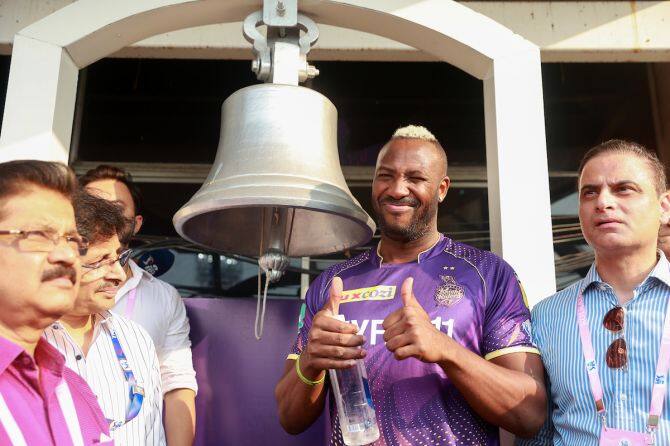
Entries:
{"x":617,"y":352}
{"x":122,"y":259}
{"x":46,"y":241}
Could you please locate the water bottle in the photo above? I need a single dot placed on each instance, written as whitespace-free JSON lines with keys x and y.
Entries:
{"x":356,"y":412}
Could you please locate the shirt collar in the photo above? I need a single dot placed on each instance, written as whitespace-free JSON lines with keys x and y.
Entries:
{"x":434,"y":250}
{"x":104,"y":317}
{"x":134,"y":281}
{"x":660,"y":272}
{"x":8,"y":353}
{"x":46,"y":355}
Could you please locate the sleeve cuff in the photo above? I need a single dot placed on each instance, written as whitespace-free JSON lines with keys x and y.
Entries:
{"x":177,"y":371}
{"x":508,"y":350}
{"x":180,"y":382}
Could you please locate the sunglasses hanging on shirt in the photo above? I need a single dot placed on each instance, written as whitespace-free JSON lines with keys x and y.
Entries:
{"x":617,"y":353}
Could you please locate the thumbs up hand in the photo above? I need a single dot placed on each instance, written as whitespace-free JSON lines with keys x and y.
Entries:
{"x":334,"y":297}
{"x":409,"y":332}
{"x":332,"y":344}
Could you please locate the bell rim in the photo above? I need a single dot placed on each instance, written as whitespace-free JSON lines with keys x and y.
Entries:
{"x":187,"y":213}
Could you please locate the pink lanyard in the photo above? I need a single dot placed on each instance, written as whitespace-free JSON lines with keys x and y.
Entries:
{"x":658,"y":390}
{"x":130,"y":303}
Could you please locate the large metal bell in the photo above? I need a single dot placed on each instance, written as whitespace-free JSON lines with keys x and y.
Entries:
{"x":276,"y":183}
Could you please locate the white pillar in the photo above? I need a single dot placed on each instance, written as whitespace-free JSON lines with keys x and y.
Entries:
{"x":517,"y":171}
{"x":40,"y":102}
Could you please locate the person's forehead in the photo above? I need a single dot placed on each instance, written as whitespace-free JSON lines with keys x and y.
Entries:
{"x":615,"y":167}
{"x":408,"y":154}
{"x":112,"y":190}
{"x":38,"y":208}
{"x":111,"y":246}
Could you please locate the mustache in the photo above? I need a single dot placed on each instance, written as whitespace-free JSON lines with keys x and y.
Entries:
{"x":407,"y":201}
{"x":107,"y":284}
{"x":60,"y":271}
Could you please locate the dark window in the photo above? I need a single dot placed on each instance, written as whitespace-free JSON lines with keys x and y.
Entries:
{"x":4,"y":78}
{"x":168,"y":111}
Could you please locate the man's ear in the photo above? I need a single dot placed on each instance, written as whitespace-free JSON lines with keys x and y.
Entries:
{"x":138,"y":224}
{"x":444,"y":187}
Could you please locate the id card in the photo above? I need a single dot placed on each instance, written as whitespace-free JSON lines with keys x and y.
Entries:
{"x":617,"y":437}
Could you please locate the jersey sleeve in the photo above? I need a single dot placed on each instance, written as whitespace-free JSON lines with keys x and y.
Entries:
{"x":311,"y":305}
{"x":507,"y":327}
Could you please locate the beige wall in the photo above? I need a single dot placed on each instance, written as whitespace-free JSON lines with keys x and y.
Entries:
{"x":565,"y":31}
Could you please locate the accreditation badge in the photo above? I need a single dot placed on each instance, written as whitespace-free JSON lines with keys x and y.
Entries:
{"x":617,"y":437}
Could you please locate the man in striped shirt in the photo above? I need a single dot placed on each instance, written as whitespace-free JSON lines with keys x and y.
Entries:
{"x":157,"y":307}
{"x":113,"y":354}
{"x":600,"y":339}
{"x":42,"y":402}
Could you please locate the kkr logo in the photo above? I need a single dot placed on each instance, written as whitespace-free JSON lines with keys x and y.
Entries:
{"x":379,"y":292}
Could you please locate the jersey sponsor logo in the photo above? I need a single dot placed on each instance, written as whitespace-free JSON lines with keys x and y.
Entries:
{"x":373,"y":329}
{"x":524,"y":329}
{"x":449,"y":293}
{"x":527,"y":328}
{"x":379,"y":292}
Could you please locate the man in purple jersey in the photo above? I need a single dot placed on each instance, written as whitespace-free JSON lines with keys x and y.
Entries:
{"x":442,"y":326}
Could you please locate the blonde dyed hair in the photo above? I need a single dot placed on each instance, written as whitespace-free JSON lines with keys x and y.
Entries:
{"x":415,"y":132}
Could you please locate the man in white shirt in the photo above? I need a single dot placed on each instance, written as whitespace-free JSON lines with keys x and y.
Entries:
{"x":114,"y":355}
{"x":157,"y":307}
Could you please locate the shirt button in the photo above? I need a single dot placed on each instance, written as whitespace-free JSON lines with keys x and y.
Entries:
{"x":78,"y":357}
{"x":55,"y":326}
{"x":623,"y":397}
{"x":27,"y":362}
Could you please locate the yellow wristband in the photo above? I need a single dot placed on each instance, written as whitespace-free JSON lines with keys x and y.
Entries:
{"x":303,"y":378}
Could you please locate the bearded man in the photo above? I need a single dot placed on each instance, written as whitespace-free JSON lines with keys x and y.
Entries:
{"x":442,"y":326}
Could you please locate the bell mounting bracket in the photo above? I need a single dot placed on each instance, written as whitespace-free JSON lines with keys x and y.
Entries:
{"x":281,"y":55}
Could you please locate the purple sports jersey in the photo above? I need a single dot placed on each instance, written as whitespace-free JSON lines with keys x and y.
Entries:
{"x":469,"y":294}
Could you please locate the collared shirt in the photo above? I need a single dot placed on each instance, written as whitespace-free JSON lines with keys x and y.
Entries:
{"x":469,"y":294}
{"x":627,"y":392}
{"x":102,"y":371}
{"x":160,"y":311}
{"x":28,"y":390}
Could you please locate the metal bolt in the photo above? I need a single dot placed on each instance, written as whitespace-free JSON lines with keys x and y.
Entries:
{"x":256,"y":65}
{"x":281,"y":9}
{"x":312,"y":72}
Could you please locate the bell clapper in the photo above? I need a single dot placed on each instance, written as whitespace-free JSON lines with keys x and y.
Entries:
{"x":274,"y":261}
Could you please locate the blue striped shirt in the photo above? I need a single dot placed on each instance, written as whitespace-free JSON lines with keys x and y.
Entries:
{"x":573,"y":419}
